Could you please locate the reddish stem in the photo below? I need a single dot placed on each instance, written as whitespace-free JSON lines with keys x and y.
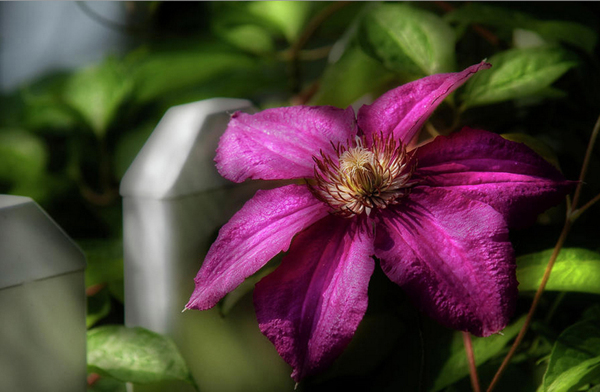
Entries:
{"x":471,"y":358}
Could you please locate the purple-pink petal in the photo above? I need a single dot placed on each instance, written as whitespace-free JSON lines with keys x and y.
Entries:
{"x":507,"y":175}
{"x":453,"y":258}
{"x":312,"y":304}
{"x":405,"y":109}
{"x":277,"y":144}
{"x":264,"y":227}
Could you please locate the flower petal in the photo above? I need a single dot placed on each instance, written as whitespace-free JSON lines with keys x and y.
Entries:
{"x":312,"y":304}
{"x":403,"y":110}
{"x":279,"y":143}
{"x":254,"y":235}
{"x":507,"y":175}
{"x":452,"y":256}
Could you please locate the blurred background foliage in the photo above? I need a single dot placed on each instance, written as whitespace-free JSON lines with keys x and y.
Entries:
{"x":68,"y":136}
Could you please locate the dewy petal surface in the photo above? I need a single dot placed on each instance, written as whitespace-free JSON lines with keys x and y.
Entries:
{"x":312,"y":304}
{"x":453,"y":258}
{"x":254,"y":235}
{"x":507,"y":175}
{"x":279,"y":143}
{"x":405,"y":109}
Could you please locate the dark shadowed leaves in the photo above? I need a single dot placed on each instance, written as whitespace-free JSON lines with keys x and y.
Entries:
{"x":575,"y":358}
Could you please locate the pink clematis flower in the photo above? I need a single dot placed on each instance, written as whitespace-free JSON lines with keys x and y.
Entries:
{"x":435,"y":217}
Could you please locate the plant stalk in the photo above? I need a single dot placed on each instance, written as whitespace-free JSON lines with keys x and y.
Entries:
{"x":471,"y":357}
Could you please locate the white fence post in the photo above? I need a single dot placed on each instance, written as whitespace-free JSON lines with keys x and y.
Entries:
{"x":42,"y":302}
{"x":174,"y":202}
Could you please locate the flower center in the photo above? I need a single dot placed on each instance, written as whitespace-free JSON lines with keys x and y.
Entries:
{"x":362,"y":177}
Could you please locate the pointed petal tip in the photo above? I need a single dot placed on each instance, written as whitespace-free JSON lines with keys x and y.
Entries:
{"x":403,"y":110}
{"x":483,"y":65}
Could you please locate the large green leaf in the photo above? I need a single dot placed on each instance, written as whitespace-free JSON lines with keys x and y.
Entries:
{"x":351,"y":77}
{"x":456,"y":365}
{"x":44,"y":108}
{"x":517,"y":73}
{"x":134,"y":355}
{"x":575,"y":358}
{"x":161,"y":73}
{"x":509,"y":19}
{"x":408,"y":40}
{"x":98,"y":92}
{"x":575,"y":269}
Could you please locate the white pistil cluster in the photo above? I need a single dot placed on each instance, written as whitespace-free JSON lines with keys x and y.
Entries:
{"x":362,"y":177}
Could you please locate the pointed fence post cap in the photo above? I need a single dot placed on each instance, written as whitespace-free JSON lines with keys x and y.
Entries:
{"x":32,"y":245}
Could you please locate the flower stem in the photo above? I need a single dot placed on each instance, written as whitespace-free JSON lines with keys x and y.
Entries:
{"x":471,"y":358}
{"x":572,"y":214}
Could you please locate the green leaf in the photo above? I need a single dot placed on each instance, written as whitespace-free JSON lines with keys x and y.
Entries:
{"x":44,"y":108}
{"x":134,"y":355}
{"x":288,"y":16}
{"x":161,"y":73}
{"x":23,"y":156}
{"x":577,"y":376}
{"x":351,"y":77}
{"x":46,"y":113}
{"x":575,"y":269}
{"x":456,"y":365}
{"x":517,"y":73}
{"x":97,"y":93}
{"x":408,"y":40}
{"x":268,"y":21}
{"x":249,"y":37}
{"x":508,"y":20}
{"x":575,"y":358}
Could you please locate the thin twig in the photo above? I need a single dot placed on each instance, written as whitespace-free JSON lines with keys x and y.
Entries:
{"x":572,"y":213}
{"x":471,"y":358}
{"x":111,"y":24}
{"x":483,"y":32}
{"x":587,"y":205}
{"x":586,"y":162}
{"x":308,"y":31}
